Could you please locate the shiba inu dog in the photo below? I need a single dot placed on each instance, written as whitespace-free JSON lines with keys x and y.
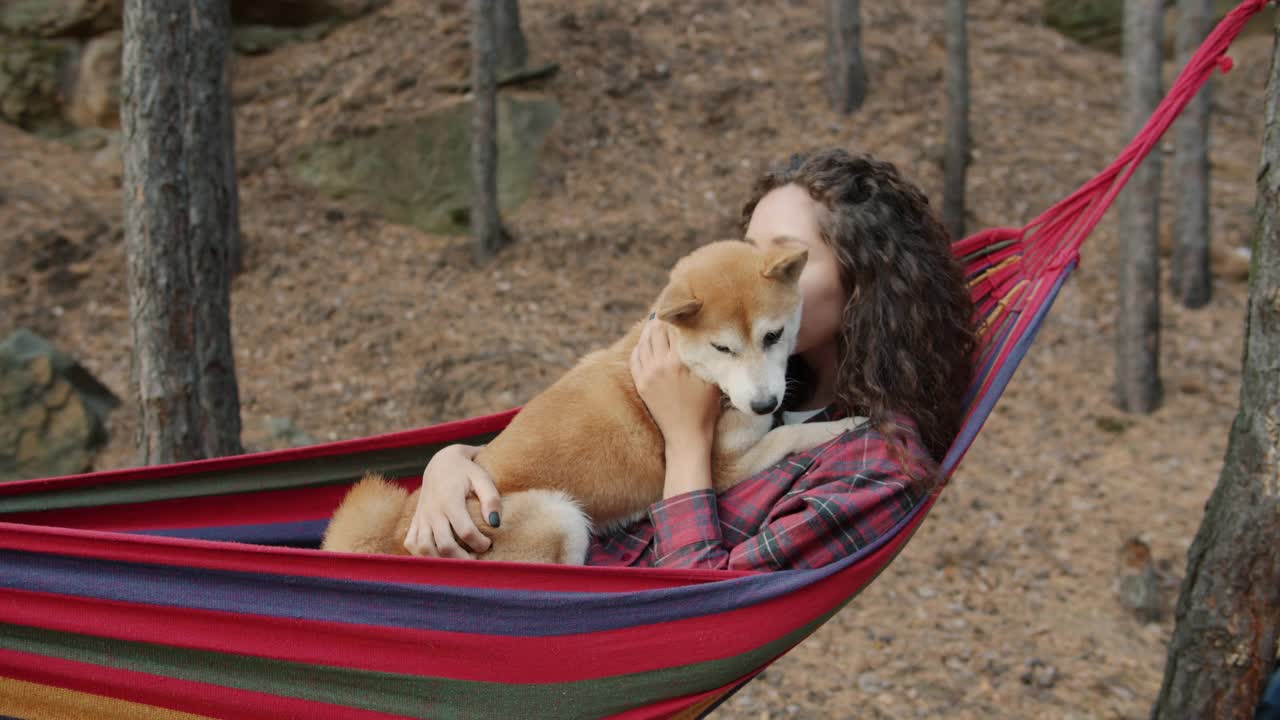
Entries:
{"x":585,"y":452}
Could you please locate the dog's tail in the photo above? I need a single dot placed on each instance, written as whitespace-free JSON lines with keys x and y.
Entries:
{"x":545,"y":526}
{"x":368,"y":519}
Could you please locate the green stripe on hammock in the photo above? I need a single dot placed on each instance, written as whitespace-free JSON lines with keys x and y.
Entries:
{"x":308,"y":472}
{"x":408,"y":695}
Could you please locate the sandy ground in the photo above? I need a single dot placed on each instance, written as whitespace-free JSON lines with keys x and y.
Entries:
{"x":1005,"y":604}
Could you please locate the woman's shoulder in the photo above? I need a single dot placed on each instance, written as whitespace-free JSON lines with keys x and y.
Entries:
{"x":894,"y":440}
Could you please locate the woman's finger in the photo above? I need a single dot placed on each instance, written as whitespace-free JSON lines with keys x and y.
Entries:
{"x":465,"y":528}
{"x":442,"y":531}
{"x":661,"y":341}
{"x":490,"y":501}
{"x":420,"y":541}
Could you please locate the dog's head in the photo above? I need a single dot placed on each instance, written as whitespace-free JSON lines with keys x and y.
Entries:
{"x":736,"y":311}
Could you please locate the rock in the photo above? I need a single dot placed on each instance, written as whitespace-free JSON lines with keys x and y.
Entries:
{"x":85,"y":18}
{"x":52,"y":411}
{"x":262,"y":39}
{"x":94,"y":97}
{"x":297,"y":13}
{"x":276,"y":433}
{"x":1098,"y":23}
{"x":1039,"y":673}
{"x":1139,"y":583}
{"x":109,"y":159}
{"x":31,"y":71}
{"x":870,"y":683}
{"x":59,"y":18}
{"x":418,"y":173}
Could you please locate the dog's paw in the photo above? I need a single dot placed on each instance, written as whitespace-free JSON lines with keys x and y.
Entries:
{"x":848,"y":424}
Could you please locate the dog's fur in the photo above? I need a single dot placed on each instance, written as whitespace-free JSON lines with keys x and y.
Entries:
{"x":586,"y":449}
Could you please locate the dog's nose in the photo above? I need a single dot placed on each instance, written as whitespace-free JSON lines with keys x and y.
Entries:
{"x":765,"y":406}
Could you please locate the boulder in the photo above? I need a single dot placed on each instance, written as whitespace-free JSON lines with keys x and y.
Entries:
{"x":296,"y":13}
{"x":419,"y":173}
{"x":94,"y":97}
{"x":86,"y":18}
{"x":52,"y":411}
{"x":59,"y":18}
{"x":31,"y":71}
{"x":1098,"y":23}
{"x":275,"y":433}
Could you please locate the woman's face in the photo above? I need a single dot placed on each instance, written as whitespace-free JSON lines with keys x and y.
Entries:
{"x":788,"y":215}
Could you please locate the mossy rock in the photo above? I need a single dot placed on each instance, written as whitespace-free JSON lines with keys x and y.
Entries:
{"x":419,"y":173}
{"x":31,"y":82}
{"x":1100,"y":23}
{"x":1097,"y":23}
{"x":263,"y":39}
{"x":53,"y":413}
{"x":59,"y":18}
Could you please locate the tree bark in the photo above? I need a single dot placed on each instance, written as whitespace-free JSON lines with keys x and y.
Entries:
{"x":1224,"y":643}
{"x":957,"y":152}
{"x":161,"y":301}
{"x":846,"y":73}
{"x":1138,"y":387}
{"x":213,"y":218}
{"x":512,"y":51}
{"x":1192,"y":284}
{"x":486,"y":221}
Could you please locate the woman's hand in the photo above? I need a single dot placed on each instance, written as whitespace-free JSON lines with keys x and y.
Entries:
{"x":449,"y":479}
{"x":683,"y":405}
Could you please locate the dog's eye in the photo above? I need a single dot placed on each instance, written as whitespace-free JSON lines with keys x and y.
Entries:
{"x":722,"y":349}
{"x":772,"y":338}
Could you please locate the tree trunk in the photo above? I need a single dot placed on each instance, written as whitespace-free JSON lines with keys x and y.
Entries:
{"x":486,"y":222}
{"x":957,"y":153}
{"x":1138,"y":388}
{"x":511,"y":49}
{"x":1224,"y":643}
{"x":1192,"y":284}
{"x":211,"y":174}
{"x":846,"y":74}
{"x":161,"y":301}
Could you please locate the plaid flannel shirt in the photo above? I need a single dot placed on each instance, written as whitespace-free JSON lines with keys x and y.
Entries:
{"x":810,"y":509}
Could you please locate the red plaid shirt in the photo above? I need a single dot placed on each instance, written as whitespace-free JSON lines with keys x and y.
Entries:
{"x":812,"y":508}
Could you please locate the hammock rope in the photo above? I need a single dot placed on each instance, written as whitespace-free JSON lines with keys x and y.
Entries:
{"x":191,"y":590}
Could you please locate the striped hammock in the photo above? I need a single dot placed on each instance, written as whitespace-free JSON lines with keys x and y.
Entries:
{"x":194,"y":590}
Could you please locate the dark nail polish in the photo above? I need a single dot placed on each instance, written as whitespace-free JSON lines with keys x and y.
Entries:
{"x":494,"y":520}
{"x":653,"y":315}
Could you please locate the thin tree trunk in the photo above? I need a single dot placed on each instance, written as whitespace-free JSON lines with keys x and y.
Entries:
{"x":957,"y":153}
{"x":161,"y":306}
{"x":1225,"y":640}
{"x":510,"y":46}
{"x":846,"y":73}
{"x":1138,"y":388}
{"x":486,"y":221}
{"x":1192,"y":284}
{"x":211,"y":174}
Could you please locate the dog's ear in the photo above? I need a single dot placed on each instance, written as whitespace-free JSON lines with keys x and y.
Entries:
{"x":677,"y":304}
{"x":785,"y":264}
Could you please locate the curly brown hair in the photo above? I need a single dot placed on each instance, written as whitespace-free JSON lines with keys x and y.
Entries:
{"x":908,"y":340}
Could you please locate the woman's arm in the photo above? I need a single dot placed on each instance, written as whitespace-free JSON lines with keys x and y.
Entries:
{"x":819,"y":506}
{"x":683,"y":406}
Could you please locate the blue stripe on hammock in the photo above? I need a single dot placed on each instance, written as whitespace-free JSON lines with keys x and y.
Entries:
{"x":982,"y":372}
{"x":303,"y":533}
{"x":1005,"y":372}
{"x":456,"y":609}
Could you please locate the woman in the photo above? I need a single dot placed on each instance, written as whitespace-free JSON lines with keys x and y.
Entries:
{"x":885,"y":333}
